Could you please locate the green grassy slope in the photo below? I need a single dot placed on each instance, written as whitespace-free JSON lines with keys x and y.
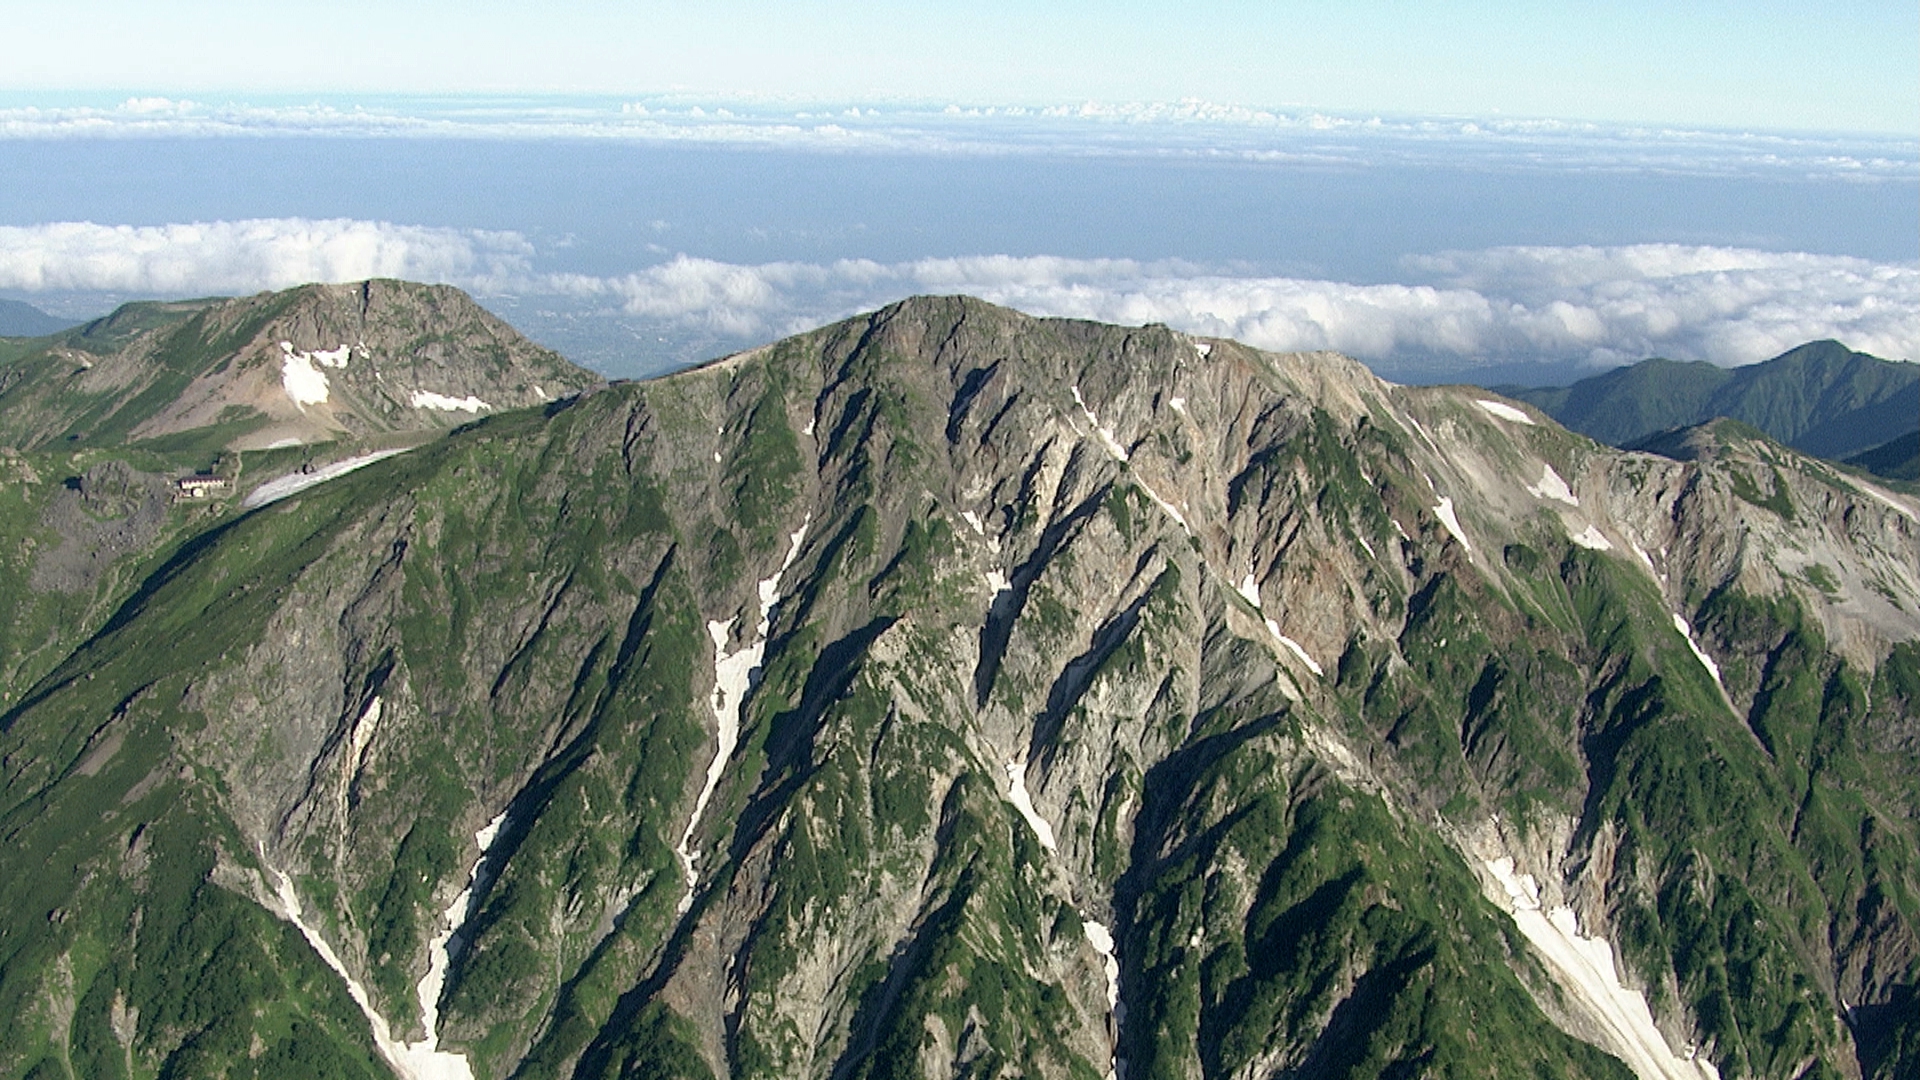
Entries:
{"x":533,"y":600}
{"x":1821,"y":397}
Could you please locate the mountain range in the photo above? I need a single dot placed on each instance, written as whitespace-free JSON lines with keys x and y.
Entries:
{"x":19,"y":319}
{"x":943,"y":692}
{"x":1822,"y":398}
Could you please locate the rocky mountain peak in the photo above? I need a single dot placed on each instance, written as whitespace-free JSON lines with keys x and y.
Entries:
{"x":948,"y":692}
{"x":312,"y":364}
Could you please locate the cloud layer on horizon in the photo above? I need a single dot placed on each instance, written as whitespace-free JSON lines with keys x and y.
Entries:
{"x":1188,"y":128}
{"x":1599,"y":305}
{"x":203,"y":258}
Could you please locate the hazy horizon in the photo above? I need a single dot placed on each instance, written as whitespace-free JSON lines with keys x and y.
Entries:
{"x":637,"y":235}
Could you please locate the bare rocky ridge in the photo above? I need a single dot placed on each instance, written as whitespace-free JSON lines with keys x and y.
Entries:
{"x":312,"y":364}
{"x":1078,"y":644}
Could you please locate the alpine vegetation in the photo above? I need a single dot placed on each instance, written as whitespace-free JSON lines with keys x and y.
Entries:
{"x":944,"y":692}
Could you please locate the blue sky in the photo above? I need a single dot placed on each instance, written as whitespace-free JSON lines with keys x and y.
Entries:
{"x":1434,"y":188}
{"x":1844,"y":65}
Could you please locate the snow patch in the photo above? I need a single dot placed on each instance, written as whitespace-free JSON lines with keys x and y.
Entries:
{"x":1645,"y":558}
{"x":355,"y":759}
{"x":363,"y":730}
{"x":447,"y":943}
{"x":1294,"y":647}
{"x":1172,"y":511}
{"x":1551,"y":486}
{"x":1505,"y":411}
{"x":1179,"y":404}
{"x":282,"y":444}
{"x":1023,"y":802}
{"x":1101,"y":938}
{"x":539,"y":393}
{"x":416,"y":1061}
{"x":304,"y":383}
{"x":997,"y":583}
{"x":733,"y":676}
{"x":808,"y":430}
{"x":1593,"y":539}
{"x":1202,"y":347}
{"x":973,"y":520}
{"x":1099,"y":935}
{"x":294,"y":483}
{"x":1250,"y":589}
{"x":1107,"y":438}
{"x":1445,"y":511}
{"x":427,"y":399}
{"x":1585,"y":966}
{"x":1889,"y":500}
{"x":1713,"y":669}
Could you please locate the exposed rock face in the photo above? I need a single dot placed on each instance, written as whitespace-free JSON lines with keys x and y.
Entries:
{"x":106,"y":513}
{"x":1272,"y":684}
{"x":307,"y":365}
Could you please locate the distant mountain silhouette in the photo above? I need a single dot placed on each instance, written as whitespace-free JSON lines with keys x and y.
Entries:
{"x":1822,"y":398}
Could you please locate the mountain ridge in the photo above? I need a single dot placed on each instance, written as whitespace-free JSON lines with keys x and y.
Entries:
{"x":20,"y":319}
{"x":1331,"y":696}
{"x":277,"y":369}
{"x":1821,"y":397}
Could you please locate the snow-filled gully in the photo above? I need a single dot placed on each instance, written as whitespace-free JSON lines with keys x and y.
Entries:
{"x":1584,"y":966}
{"x":733,"y":675}
{"x":1250,"y":589}
{"x":423,"y":1060}
{"x":1686,"y":631}
{"x":1099,"y":935}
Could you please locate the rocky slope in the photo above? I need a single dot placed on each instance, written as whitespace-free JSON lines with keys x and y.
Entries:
{"x":953,"y":693}
{"x":312,"y":364}
{"x":97,"y":425}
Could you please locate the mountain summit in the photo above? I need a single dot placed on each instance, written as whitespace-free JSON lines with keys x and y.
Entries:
{"x":312,"y":364}
{"x":948,"y":692}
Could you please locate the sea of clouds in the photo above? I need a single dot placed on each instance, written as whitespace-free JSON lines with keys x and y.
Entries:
{"x":1192,"y":128}
{"x":1592,"y":305}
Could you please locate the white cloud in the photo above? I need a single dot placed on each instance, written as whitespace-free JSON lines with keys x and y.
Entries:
{"x":1187,"y":128}
{"x":247,"y":256}
{"x":1601,"y":305}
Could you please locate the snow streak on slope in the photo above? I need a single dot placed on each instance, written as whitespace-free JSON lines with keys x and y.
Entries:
{"x":294,"y":483}
{"x":733,"y":676}
{"x":1552,"y":486}
{"x":1101,"y":938}
{"x":1107,"y":438}
{"x":1099,"y":935}
{"x":1584,"y":965}
{"x":1023,"y":802}
{"x":447,"y":944}
{"x":427,"y":399}
{"x":1713,"y":669}
{"x":418,"y":1061}
{"x":1505,"y":411}
{"x":1593,"y":539}
{"x":1445,"y":511}
{"x":1294,"y":647}
{"x":1250,"y":589}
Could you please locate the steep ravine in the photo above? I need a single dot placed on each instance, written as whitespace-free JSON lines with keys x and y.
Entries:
{"x":951,"y":693}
